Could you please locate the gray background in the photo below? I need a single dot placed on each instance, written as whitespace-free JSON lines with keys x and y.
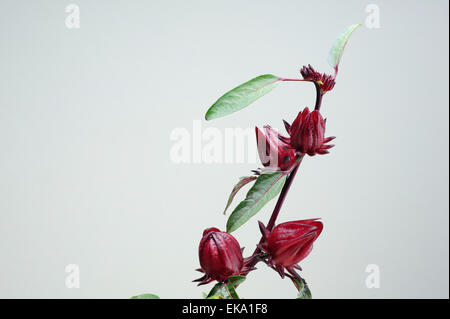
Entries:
{"x":86,"y":115}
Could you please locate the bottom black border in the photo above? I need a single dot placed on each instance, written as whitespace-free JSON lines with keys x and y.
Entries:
{"x":244,"y":308}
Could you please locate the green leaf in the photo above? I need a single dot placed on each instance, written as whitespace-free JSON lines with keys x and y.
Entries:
{"x":219,"y":291}
{"x":233,"y":282}
{"x":266,"y":187}
{"x":242,"y":96}
{"x":242,"y":182}
{"x":145,"y":296}
{"x":232,"y":291}
{"x":335,"y":55}
{"x":226,"y":291}
{"x":236,"y":280}
{"x":303,"y":289}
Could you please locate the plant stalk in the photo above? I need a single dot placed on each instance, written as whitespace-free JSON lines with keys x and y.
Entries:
{"x":319,"y":95}
{"x":282,"y":196}
{"x":254,"y":258}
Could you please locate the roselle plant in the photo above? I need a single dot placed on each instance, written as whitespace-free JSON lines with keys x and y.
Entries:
{"x":281,"y":247}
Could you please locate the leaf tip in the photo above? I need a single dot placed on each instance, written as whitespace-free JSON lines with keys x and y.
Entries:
{"x":231,"y":227}
{"x":339,"y":44}
{"x":208,"y":115}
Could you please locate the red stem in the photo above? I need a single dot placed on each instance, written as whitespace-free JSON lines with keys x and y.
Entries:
{"x":253,"y":260}
{"x":282,"y":197}
{"x":297,"y":80}
{"x":319,"y":95}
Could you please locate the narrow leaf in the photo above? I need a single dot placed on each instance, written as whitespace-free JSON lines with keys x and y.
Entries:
{"x":145,"y":296}
{"x":233,"y":282}
{"x":242,"y":182}
{"x":303,"y":289}
{"x":232,"y":292}
{"x":236,"y":280}
{"x":219,"y":291}
{"x":242,"y":96}
{"x":266,"y":187}
{"x":226,"y":291}
{"x":335,"y":55}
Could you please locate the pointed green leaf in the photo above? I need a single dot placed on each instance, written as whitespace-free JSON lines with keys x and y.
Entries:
{"x":236,"y":280}
{"x":242,"y":96}
{"x":219,"y":291}
{"x":233,"y":282}
{"x":145,"y":296}
{"x":242,"y":182}
{"x":335,"y":55}
{"x":303,"y":289}
{"x":266,"y":187}
{"x":226,"y":291}
{"x":232,"y":291}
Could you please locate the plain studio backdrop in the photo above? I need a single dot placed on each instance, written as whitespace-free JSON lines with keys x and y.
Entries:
{"x":87,"y":114}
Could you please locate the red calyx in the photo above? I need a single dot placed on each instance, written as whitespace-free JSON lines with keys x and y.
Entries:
{"x":289,"y":243}
{"x":220,"y":256}
{"x":307,"y":133}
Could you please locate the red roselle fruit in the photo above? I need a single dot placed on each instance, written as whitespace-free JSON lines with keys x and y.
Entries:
{"x":289,"y":243}
{"x":307,"y":133}
{"x":220,"y":256}
{"x":273,"y":151}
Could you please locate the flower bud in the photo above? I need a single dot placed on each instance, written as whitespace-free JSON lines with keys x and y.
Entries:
{"x":307,"y":133}
{"x":220,"y":256}
{"x":325,"y":82}
{"x":273,"y":151}
{"x":289,"y":243}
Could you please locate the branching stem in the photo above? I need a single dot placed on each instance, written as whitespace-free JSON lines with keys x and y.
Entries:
{"x":253,"y":260}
